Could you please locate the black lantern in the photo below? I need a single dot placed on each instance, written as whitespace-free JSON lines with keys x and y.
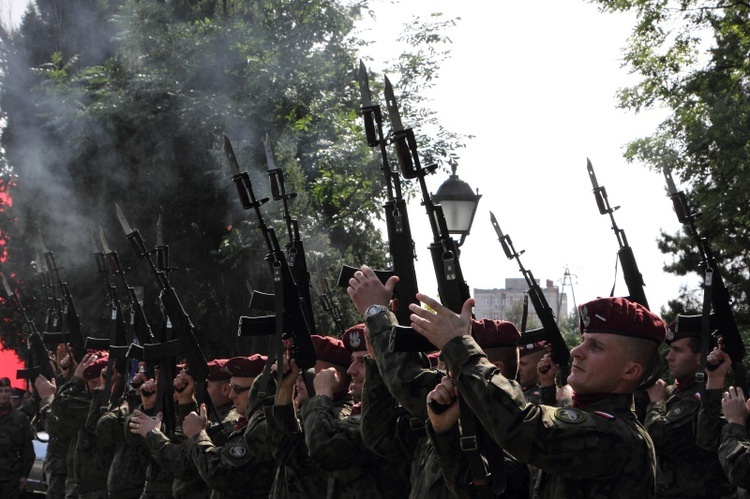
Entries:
{"x":459,"y":204}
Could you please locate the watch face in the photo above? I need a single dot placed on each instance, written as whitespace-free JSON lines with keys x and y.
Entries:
{"x":374,"y":310}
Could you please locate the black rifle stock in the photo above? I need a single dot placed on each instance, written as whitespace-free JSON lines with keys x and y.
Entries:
{"x":720,"y":300}
{"x":560,"y":353}
{"x":630,"y":272}
{"x":290,"y":318}
{"x":400,"y":241}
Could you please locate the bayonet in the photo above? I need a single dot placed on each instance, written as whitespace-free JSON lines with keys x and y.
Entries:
{"x":123,"y":221}
{"x":8,"y":291}
{"x":392,"y":105}
{"x":234,"y":167}
{"x":103,"y":239}
{"x":364,"y":86}
{"x":269,"y":155}
{"x":671,"y":187}
{"x":159,"y":232}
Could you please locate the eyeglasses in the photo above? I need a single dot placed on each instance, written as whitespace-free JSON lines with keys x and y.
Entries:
{"x":239,"y":389}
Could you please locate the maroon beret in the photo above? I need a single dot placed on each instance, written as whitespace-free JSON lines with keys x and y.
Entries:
{"x":94,"y":370}
{"x":354,"y":338}
{"x":245,"y":367}
{"x":623,"y":317}
{"x":525,"y":348}
{"x":215,"y":371}
{"x":491,"y":333}
{"x":330,"y":349}
{"x":690,"y":326}
{"x":4,"y":381}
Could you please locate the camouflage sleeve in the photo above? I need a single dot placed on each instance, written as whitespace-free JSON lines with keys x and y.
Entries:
{"x":656,"y":424}
{"x":734,"y":454}
{"x":406,"y":374}
{"x":110,"y":429}
{"x":385,"y":427}
{"x":27,"y":448}
{"x":453,"y":463}
{"x":71,"y":404}
{"x":551,"y":438}
{"x":285,"y":437}
{"x":710,"y":421}
{"x":332,"y":443}
{"x":221,"y":467}
{"x":170,"y":456}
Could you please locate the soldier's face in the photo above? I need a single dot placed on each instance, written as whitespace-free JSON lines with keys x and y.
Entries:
{"x":682,"y":361}
{"x":5,"y":393}
{"x":598,"y":364}
{"x":357,"y":372}
{"x":527,"y":374}
{"x":240,"y":399}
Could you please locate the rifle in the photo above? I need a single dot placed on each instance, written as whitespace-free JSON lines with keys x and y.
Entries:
{"x":289,"y":317}
{"x":71,"y":323}
{"x":53,"y":320}
{"x":35,"y":344}
{"x":295,"y":251}
{"x":560,"y":353}
{"x":330,"y":306}
{"x":715,"y":291}
{"x":180,"y":321}
{"x":400,"y":242}
{"x":117,"y":346}
{"x":633,"y":277}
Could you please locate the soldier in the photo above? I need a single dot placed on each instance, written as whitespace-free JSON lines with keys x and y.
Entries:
{"x":298,"y":475}
{"x":16,"y":447}
{"x":530,"y":354}
{"x":78,"y":405}
{"x":682,"y":468}
{"x":734,"y":451}
{"x":243,"y":467}
{"x":172,"y":455}
{"x":336,"y":444}
{"x":595,"y":449}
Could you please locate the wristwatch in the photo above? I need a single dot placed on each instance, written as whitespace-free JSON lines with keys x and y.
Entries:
{"x":373,"y":310}
{"x":153,"y":431}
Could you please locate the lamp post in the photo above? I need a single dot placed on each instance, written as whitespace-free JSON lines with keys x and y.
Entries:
{"x":459,"y":204}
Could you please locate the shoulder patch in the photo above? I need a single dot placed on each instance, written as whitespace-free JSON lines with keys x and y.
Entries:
{"x":605,"y":415}
{"x":697,"y":396}
{"x":569,"y":415}
{"x":237,"y":451}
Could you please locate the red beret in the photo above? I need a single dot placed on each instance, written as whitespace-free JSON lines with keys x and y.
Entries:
{"x":330,"y":349}
{"x":490,"y":333}
{"x":623,"y":317}
{"x":245,"y":367}
{"x":354,"y":338}
{"x":94,"y":370}
{"x":687,"y":326}
{"x":215,"y":371}
{"x":525,"y":348}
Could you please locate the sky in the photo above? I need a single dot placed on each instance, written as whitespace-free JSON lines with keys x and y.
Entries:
{"x":536,"y":87}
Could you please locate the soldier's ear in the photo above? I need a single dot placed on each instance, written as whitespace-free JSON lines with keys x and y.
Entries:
{"x":633,"y":371}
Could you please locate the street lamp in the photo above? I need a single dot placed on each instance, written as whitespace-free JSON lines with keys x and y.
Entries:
{"x":459,"y":204}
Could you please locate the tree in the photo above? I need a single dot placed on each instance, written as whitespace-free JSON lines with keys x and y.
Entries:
{"x":691,"y":57}
{"x":140,"y":124}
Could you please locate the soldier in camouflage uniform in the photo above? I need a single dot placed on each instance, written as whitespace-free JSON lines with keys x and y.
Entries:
{"x":336,"y":444}
{"x":596,"y":449}
{"x":298,"y":476}
{"x":243,"y":467}
{"x":530,"y":354}
{"x":724,"y":433}
{"x":172,"y":455}
{"x":16,"y":448}
{"x":79,"y":404}
{"x":127,"y":473}
{"x":682,"y":468}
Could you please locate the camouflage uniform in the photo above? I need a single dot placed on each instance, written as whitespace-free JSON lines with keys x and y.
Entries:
{"x":337,"y":446}
{"x":599,"y":452}
{"x":91,"y":460}
{"x":682,"y":469}
{"x":389,"y":431}
{"x":244,"y":466}
{"x":55,"y":462}
{"x":16,"y":451}
{"x":128,"y":470}
{"x":173,"y":456}
{"x":158,"y":480}
{"x":410,"y":378}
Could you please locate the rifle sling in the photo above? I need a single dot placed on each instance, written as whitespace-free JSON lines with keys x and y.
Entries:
{"x":485,"y":481}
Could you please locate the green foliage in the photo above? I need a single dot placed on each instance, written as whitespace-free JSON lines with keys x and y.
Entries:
{"x":132,"y":111}
{"x":691,"y":57}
